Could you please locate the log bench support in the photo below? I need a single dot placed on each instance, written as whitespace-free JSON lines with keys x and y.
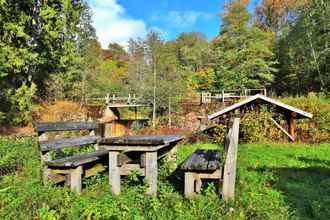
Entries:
{"x":193,"y":181}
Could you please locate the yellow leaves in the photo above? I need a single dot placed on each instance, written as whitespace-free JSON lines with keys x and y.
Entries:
{"x":204,"y":78}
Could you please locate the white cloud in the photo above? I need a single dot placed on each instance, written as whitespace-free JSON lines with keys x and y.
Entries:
{"x":112,"y":25}
{"x":181,"y":19}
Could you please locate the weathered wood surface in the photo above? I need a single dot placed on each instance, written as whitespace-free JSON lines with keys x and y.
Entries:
{"x":229,"y":174}
{"x":151,"y":170}
{"x":77,"y":160}
{"x":65,"y":126}
{"x":114,"y":172}
{"x":67,"y":142}
{"x":203,"y":160}
{"x":75,"y":179}
{"x":141,"y":140}
{"x":189,"y":184}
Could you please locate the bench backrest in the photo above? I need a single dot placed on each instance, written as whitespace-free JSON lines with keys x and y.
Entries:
{"x":46,"y":145}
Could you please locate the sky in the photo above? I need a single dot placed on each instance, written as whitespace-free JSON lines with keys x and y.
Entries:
{"x":117,"y":21}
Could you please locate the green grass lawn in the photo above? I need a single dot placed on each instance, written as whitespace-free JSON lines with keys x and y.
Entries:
{"x":275,"y":181}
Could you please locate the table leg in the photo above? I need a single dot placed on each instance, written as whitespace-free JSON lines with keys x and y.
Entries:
{"x":114,"y":173}
{"x":151,"y":172}
{"x":189,"y":184}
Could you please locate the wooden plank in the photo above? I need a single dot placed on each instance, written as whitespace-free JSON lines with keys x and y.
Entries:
{"x":77,"y":160}
{"x":94,"y":170}
{"x":67,"y":142}
{"x":229,"y":175}
{"x":141,"y":140}
{"x":151,"y":172}
{"x":282,"y":129}
{"x":217,"y":174}
{"x":146,"y":148}
{"x":114,"y":172}
{"x":65,"y":126}
{"x":189,"y":184}
{"x":75,"y":179}
{"x":126,"y":169}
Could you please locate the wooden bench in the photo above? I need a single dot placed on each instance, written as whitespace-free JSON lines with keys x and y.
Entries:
{"x":209,"y":164}
{"x":202,"y":164}
{"x":70,"y":168}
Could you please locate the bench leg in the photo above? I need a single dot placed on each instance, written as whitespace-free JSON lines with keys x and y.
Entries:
{"x":151,"y":172}
{"x":114,"y":172}
{"x":172,"y":158}
{"x":198,"y":184}
{"x":75,"y":179}
{"x":189,"y":184}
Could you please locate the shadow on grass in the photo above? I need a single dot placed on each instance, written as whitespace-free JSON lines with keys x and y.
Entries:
{"x":306,"y":190}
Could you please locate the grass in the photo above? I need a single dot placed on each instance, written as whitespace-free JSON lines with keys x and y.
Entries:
{"x":275,"y":181}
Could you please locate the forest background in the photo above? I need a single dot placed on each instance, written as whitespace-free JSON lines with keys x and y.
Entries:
{"x":49,"y":51}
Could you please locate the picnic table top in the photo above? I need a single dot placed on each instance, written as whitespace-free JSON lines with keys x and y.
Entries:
{"x":139,"y":142}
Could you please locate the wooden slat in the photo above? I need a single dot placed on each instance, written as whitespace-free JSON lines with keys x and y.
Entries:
{"x":65,"y":126}
{"x":67,"y":142}
{"x":77,"y":160}
{"x":141,"y":140}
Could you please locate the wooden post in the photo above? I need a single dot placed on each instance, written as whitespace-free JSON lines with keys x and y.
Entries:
{"x":45,"y":156}
{"x":92,"y":133}
{"x":114,"y":172}
{"x":169,"y":113}
{"x":75,"y":179}
{"x":198,"y":184}
{"x":223,"y":96}
{"x":291,"y":127}
{"x":229,"y":174}
{"x":172,"y":157}
{"x":107,"y":99}
{"x":189,"y":184}
{"x":151,"y":172}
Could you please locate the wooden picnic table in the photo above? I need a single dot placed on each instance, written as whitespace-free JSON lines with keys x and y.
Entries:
{"x":138,"y":152}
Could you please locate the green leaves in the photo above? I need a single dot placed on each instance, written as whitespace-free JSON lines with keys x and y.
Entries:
{"x":244,"y":57}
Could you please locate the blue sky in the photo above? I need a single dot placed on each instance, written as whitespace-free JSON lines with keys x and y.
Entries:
{"x":119,"y":20}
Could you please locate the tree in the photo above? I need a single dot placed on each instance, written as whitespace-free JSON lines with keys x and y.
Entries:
{"x":117,"y":51}
{"x":273,"y":15}
{"x":304,"y":50}
{"x":244,"y":57}
{"x":40,"y":41}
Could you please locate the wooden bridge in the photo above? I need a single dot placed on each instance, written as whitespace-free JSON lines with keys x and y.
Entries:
{"x":210,"y":96}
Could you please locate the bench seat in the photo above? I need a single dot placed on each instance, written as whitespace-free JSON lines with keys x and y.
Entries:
{"x":78,"y":160}
{"x":203,"y":160}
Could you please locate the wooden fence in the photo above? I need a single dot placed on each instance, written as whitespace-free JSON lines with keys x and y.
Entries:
{"x":229,"y":95}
